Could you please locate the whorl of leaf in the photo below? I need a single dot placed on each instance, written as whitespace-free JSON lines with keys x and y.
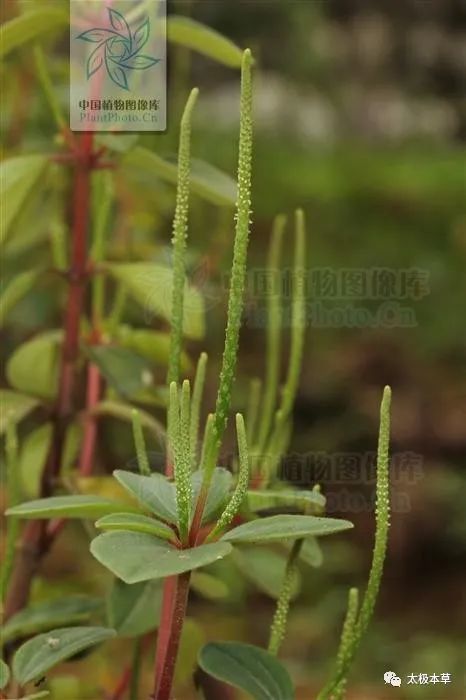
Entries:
{"x":243,"y":480}
{"x":198,"y":390}
{"x":179,"y":236}
{"x":338,"y":680}
{"x":139,"y":443}
{"x":278,"y":628}
{"x":274,"y":322}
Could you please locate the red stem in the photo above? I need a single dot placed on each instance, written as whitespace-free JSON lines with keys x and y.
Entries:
{"x":167,"y":648}
{"x":169,"y":591}
{"x":35,"y":541}
{"x":90,"y":424}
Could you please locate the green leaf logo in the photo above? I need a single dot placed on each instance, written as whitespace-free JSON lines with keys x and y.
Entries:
{"x":118,"y":49}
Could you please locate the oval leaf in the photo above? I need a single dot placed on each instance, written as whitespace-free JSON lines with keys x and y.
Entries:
{"x":17,"y":178}
{"x":194,"y":35}
{"x":151,"y":286}
{"x":248,"y":668}
{"x":52,"y":613}
{"x":15,"y":407}
{"x":34,"y":366}
{"x":30,"y":25}
{"x":134,"y":609}
{"x":153,"y":345}
{"x":4,"y":674}
{"x":122,"y":368}
{"x":218,"y":491}
{"x":32,"y":456}
{"x":135,"y":522}
{"x":282,"y":527}
{"x":19,"y":286}
{"x":68,"y":507}
{"x":153,"y":492}
{"x":36,"y":656}
{"x":265,"y":568}
{"x":134,"y":556}
{"x":311,"y":553}
{"x":206,"y":180}
{"x":307,"y":501}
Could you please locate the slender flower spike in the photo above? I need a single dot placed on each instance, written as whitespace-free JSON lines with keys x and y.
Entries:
{"x":346,"y":639}
{"x":382,"y":511}
{"x":139,"y":443}
{"x":179,"y":237}
{"x":243,"y":480}
{"x":278,"y":629}
{"x":252,"y":412}
{"x":198,"y":390}
{"x":179,"y":440}
{"x":238,"y":270}
{"x":335,"y":686}
{"x":235,"y":300}
{"x":274,"y":322}
{"x":297,"y":317}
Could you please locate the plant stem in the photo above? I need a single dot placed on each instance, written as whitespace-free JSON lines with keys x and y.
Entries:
{"x":86,"y":458}
{"x":35,"y":542}
{"x":165,"y":667}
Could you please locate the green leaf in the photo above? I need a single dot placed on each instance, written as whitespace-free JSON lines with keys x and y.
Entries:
{"x":14,"y":406}
{"x":36,"y":696}
{"x":135,"y":522}
{"x":36,"y":656}
{"x":124,"y":411}
{"x":135,"y":556}
{"x":68,"y":507}
{"x":158,"y":495}
{"x":4,"y":674}
{"x":282,"y":527}
{"x":307,"y":501}
{"x":34,"y":366}
{"x":30,"y":25}
{"x":124,"y":370}
{"x":18,"y":287}
{"x":311,"y":553}
{"x":153,"y":345}
{"x":134,"y":609}
{"x":52,"y":613}
{"x":218,"y":491}
{"x":206,"y":180}
{"x":34,"y":451}
{"x":151,"y":286}
{"x":153,"y":492}
{"x":205,"y":40}
{"x":265,"y":568}
{"x":209,"y":586}
{"x":193,"y":638}
{"x":248,"y":668}
{"x":120,"y":143}
{"x":17,"y":178}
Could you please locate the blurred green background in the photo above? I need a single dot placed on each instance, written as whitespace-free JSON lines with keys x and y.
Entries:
{"x":360,"y":119}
